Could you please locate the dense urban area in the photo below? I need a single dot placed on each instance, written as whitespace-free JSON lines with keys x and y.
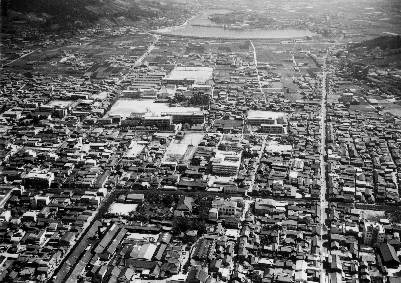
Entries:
{"x":200,"y":141}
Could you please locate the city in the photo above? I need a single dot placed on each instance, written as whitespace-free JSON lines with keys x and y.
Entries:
{"x":201,"y":141}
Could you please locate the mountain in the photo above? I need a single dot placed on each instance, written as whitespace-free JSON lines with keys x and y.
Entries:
{"x":69,"y":12}
{"x":385,"y":42}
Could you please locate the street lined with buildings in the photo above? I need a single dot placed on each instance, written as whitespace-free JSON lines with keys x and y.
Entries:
{"x":247,"y":152}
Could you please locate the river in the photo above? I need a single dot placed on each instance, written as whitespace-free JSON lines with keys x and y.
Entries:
{"x":200,"y":26}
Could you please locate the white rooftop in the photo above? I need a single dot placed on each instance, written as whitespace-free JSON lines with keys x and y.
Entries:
{"x":227,"y":158}
{"x":134,"y":150}
{"x":199,"y":74}
{"x":256,"y":114}
{"x":274,"y":146}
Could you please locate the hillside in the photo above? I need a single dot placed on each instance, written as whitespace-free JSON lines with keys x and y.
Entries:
{"x":386,"y":42}
{"x":69,"y":12}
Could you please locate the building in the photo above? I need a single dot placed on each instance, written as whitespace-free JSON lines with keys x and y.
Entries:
{"x":5,"y":216}
{"x":38,"y":179}
{"x":14,"y":114}
{"x":148,"y":93}
{"x":188,"y":117}
{"x":213,"y":214}
{"x":225,"y":208}
{"x":135,"y":198}
{"x":160,"y":122}
{"x":389,"y":256}
{"x":373,"y":233}
{"x":133,"y":151}
{"x":226,"y":163}
{"x":273,"y":129}
{"x":184,"y":206}
{"x":257,"y":118}
{"x":347,"y":97}
{"x":131,"y":93}
{"x":41,"y":201}
{"x":189,"y":76}
{"x":264,"y":206}
{"x":197,"y":275}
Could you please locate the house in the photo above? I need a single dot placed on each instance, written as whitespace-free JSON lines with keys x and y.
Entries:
{"x":189,"y":185}
{"x":226,"y":207}
{"x":233,"y":222}
{"x":263,"y":206}
{"x":5,"y":216}
{"x":389,"y":255}
{"x":197,"y":275}
{"x":373,"y":233}
{"x":67,"y":239}
{"x":135,"y":198}
{"x":184,"y":206}
{"x":213,"y":214}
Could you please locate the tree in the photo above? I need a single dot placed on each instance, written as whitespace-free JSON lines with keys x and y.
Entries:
{"x":168,"y":200}
{"x":181,"y":225}
{"x":199,"y":99}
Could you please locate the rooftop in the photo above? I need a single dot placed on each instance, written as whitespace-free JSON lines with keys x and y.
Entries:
{"x":199,"y":74}
{"x":254,"y":114}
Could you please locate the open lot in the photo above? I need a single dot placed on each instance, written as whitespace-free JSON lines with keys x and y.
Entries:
{"x":183,"y":149}
{"x":94,"y":58}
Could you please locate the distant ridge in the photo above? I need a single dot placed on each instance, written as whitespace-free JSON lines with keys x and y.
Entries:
{"x":383,"y":42}
{"x":68,"y":12}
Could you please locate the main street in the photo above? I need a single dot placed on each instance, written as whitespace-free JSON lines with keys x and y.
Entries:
{"x":148,"y":51}
{"x":248,"y":201}
{"x":252,"y":183}
{"x":19,"y":58}
{"x":66,"y":266}
{"x":255,"y":62}
{"x":323,"y":184}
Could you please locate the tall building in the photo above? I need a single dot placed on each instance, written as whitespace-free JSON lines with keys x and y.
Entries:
{"x":373,"y":233}
{"x":268,"y":122}
{"x":188,"y":117}
{"x":226,"y":163}
{"x":162,"y":123}
{"x":226,"y":207}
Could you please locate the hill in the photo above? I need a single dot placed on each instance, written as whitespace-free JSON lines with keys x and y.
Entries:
{"x":386,"y":42}
{"x":69,"y":12}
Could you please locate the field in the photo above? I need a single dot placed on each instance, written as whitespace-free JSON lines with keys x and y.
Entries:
{"x":184,"y":149}
{"x":198,"y":74}
{"x":394,"y":109}
{"x":100,"y":58}
{"x":278,"y":57}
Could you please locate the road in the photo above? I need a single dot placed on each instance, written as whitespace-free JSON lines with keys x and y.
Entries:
{"x":148,"y":51}
{"x":22,"y":56}
{"x":247,"y":206}
{"x":248,"y":202}
{"x":255,"y":61}
{"x":4,"y":200}
{"x":323,"y":183}
{"x":139,"y":61}
{"x":62,"y":274}
{"x":256,"y":165}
